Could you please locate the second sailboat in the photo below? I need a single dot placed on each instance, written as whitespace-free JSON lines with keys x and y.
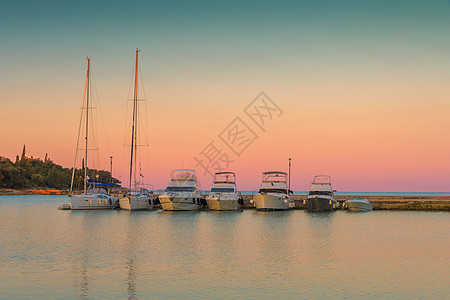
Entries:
{"x":137,"y":198}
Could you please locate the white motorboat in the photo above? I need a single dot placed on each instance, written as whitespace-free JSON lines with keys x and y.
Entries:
{"x":357,"y":204}
{"x":182,"y":192}
{"x":137,"y":198}
{"x":321,"y":195}
{"x":95,"y":194}
{"x":274,"y":193}
{"x":223,"y":194}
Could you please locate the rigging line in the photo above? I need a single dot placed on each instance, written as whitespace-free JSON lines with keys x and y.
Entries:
{"x":127,"y":128}
{"x":101,"y":112}
{"x":127,"y":103}
{"x":94,"y":138}
{"x":79,"y":132}
{"x":142,"y":81}
{"x":146,"y":108}
{"x":147,"y":132}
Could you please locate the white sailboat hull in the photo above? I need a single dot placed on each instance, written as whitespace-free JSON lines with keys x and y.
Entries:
{"x":271,"y":202}
{"x":136,"y":203}
{"x":172,"y":203}
{"x":217,"y":203}
{"x":92,"y":202}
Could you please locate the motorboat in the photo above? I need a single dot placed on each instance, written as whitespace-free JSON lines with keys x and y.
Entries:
{"x":223,"y":194}
{"x":137,"y":198}
{"x":357,"y":204}
{"x":321,"y":195}
{"x":274,"y":193}
{"x":182,"y":192}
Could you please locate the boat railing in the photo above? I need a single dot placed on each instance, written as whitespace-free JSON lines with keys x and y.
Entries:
{"x":322,"y":179}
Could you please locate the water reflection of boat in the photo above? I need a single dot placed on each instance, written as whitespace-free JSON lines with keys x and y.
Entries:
{"x":131,"y":280}
{"x":223,"y":194}
{"x":182,"y":192}
{"x":357,"y":204}
{"x":274,"y":193}
{"x":321,"y":196}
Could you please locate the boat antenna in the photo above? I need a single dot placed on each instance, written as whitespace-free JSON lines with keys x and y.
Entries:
{"x":110,"y":168}
{"x":289,"y":184}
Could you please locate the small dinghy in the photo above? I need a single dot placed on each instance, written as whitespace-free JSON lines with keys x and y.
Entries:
{"x":64,"y":206}
{"x":358,"y":204}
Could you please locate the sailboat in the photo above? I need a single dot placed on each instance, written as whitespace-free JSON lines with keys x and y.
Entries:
{"x":95,"y":194}
{"x":137,"y":198}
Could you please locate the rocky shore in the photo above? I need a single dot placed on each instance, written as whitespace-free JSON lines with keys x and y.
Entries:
{"x":32,"y":192}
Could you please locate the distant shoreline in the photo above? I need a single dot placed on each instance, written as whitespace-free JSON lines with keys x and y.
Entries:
{"x":12,"y":192}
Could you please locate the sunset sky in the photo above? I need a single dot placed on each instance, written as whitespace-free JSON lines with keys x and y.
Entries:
{"x":361,"y":87}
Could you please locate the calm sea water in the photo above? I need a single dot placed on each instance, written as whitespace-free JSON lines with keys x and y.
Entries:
{"x":47,"y":253}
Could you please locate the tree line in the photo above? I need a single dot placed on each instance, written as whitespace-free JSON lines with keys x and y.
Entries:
{"x":28,"y":172}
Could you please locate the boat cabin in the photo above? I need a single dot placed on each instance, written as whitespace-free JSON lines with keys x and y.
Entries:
{"x":224,"y":182}
{"x":274,"y":182}
{"x":182,"y":181}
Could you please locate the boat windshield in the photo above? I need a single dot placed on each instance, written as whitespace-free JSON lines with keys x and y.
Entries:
{"x":98,"y":190}
{"x":144,"y":192}
{"x":279,"y":191}
{"x":321,"y":193}
{"x":222,"y":190}
{"x":183,"y":175}
{"x":180,"y":189}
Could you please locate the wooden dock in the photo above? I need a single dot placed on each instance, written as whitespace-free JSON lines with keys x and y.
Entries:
{"x":429,"y":203}
{"x":435,"y":203}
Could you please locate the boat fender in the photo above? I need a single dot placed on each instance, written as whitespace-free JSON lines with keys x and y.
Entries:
{"x":193,"y":200}
{"x":304,"y":201}
{"x":110,"y":202}
{"x":203,"y":201}
{"x":285,"y":201}
{"x":251,"y":201}
{"x":330,"y":202}
{"x":156,"y":201}
{"x":241,"y":201}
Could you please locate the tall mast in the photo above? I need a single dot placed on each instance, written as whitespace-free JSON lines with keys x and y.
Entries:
{"x":87,"y":123}
{"x":134,"y":126}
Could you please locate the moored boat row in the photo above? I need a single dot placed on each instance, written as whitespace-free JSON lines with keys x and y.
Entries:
{"x":182,"y":192}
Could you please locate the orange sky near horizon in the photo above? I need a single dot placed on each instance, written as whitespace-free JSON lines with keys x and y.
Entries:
{"x":363,"y":88}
